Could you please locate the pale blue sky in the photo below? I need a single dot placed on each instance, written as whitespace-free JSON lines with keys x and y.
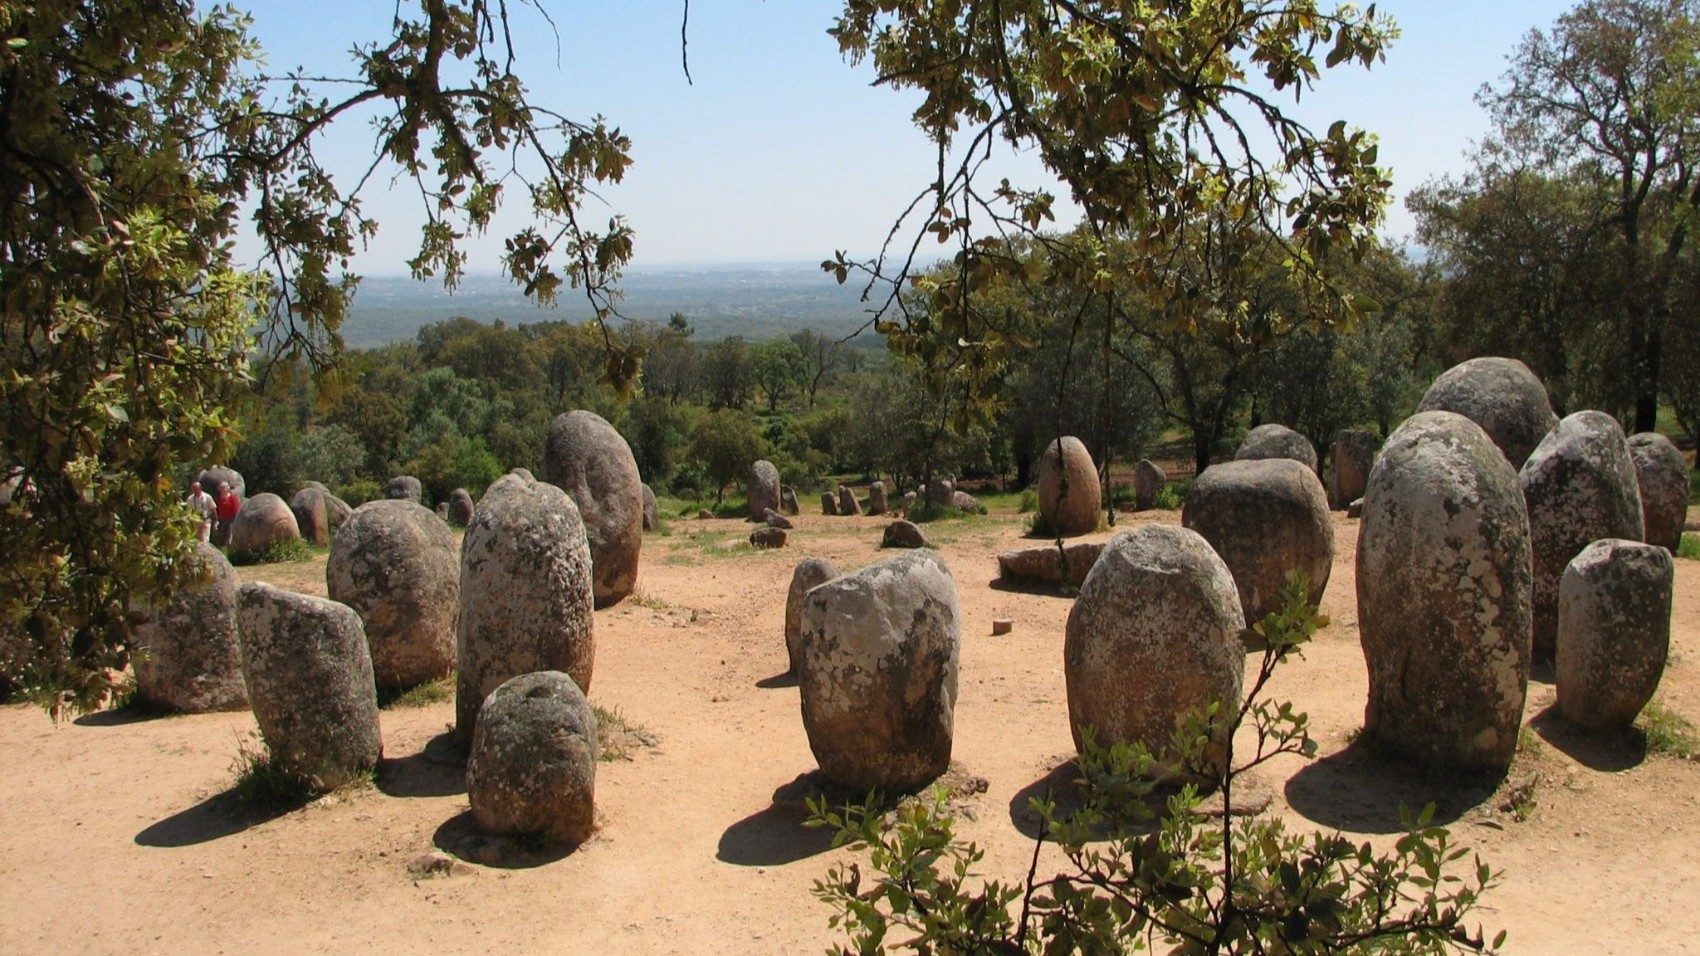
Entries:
{"x":780,"y":151}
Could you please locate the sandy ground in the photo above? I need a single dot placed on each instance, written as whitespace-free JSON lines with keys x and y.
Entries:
{"x":120,"y":834}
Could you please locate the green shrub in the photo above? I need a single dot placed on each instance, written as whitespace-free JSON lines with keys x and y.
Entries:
{"x":1666,"y":732}
{"x":1147,"y":870}
{"x":1172,"y":495}
{"x":1689,"y":547}
{"x":1029,"y":501}
{"x":359,"y":491}
{"x":259,"y":779}
{"x":278,"y":552}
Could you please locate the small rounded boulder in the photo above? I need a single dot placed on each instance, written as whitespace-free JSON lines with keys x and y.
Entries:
{"x":532,"y":767}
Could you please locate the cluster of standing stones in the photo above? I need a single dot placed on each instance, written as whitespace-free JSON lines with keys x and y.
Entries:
{"x":1492,"y":534}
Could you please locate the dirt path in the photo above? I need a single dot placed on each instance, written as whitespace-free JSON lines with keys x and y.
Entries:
{"x":121,"y":836}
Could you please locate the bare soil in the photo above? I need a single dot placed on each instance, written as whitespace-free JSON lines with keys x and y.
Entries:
{"x":120,"y":832}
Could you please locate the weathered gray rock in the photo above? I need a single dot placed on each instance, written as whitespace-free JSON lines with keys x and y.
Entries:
{"x":764,"y":489}
{"x":877,"y":671}
{"x":847,"y":503}
{"x":1354,"y":456}
{"x":768,"y":537}
{"x":523,"y":473}
{"x":1355,"y":509}
{"x":587,"y":458}
{"x":336,"y":512}
{"x":532,"y":767}
{"x":263,"y":521}
{"x":309,"y":679}
{"x":461,"y":506}
{"x":1069,"y":494}
{"x":1267,"y":518}
{"x":1444,"y":586}
{"x":1661,"y":472}
{"x":397,"y":565}
{"x":788,"y":501}
{"x":1276,"y":441}
{"x":184,"y":646}
{"x":312,"y":515}
{"x":526,"y":595}
{"x":1502,"y":396}
{"x":774,"y":519}
{"x":1579,"y":484}
{"x":877,"y":503}
{"x":904,"y":534}
{"x":965,"y":502}
{"x":808,"y":573}
{"x":1154,"y":635}
{"x":405,"y":488}
{"x":210,"y":477}
{"x":651,"y":510}
{"x":828,"y":504}
{"x":1614,"y":605}
{"x":938,"y":491}
{"x":1047,"y":565}
{"x":1148,"y":481}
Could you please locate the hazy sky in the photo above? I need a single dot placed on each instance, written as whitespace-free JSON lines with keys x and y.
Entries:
{"x":779,"y":151}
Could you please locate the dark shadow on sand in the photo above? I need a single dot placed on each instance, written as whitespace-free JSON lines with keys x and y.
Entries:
{"x":1607,"y":751}
{"x":135,"y":712}
{"x":1032,"y":586}
{"x":438,"y":770}
{"x":787,"y":679}
{"x":1361,"y":791}
{"x":218,"y":816}
{"x":459,"y":836}
{"x":776,"y":835}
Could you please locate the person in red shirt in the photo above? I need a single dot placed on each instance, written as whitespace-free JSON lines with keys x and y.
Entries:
{"x":225,"y":506}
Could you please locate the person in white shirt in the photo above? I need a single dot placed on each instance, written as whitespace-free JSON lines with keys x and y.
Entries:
{"x":203,"y":505}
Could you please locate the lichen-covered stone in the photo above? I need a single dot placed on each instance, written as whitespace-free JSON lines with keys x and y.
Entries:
{"x":651,"y":510}
{"x":309,"y":680}
{"x":460,"y":507}
{"x":184,"y":645}
{"x":532,"y":766}
{"x":587,"y":458}
{"x":904,"y":534}
{"x":1579,"y":485}
{"x":828,"y":504}
{"x":1444,"y":586}
{"x":312,"y":515}
{"x":1276,"y":441}
{"x":764,"y":489}
{"x":210,"y":478}
{"x":877,"y":503}
{"x":1661,"y":472}
{"x":808,"y":573}
{"x":1354,"y":456}
{"x":847,"y":503}
{"x":263,"y":521}
{"x":1148,"y":481}
{"x":526,"y":598}
{"x":1069,"y":495}
{"x":405,"y":488}
{"x":1502,"y":396}
{"x":397,"y":565}
{"x":1614,"y":605}
{"x":1049,"y":565}
{"x":1267,"y":518}
{"x":1154,"y":635}
{"x":877,"y":671}
{"x":768,"y":536}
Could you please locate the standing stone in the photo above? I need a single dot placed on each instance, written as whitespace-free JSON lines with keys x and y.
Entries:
{"x":1154,"y":635}
{"x":1444,"y":583}
{"x":526,"y":595}
{"x":788,"y":500}
{"x":312,"y":516}
{"x":185,"y":648}
{"x":847,"y":504}
{"x":651,"y":510}
{"x":1502,"y":396}
{"x":1267,"y":518}
{"x":938,"y":492}
{"x":808,"y":573}
{"x":908,"y":501}
{"x":1069,"y":495}
{"x":1580,"y":487}
{"x":398,"y":567}
{"x":764,"y":489}
{"x":532,"y":767}
{"x":1661,"y":471}
{"x":309,"y":679}
{"x":587,"y":458}
{"x":336,"y":512}
{"x":1354,"y":455}
{"x":877,"y":670}
{"x":405,"y":488}
{"x":877,"y":504}
{"x":767,"y":537}
{"x":210,"y":477}
{"x":1276,"y":441}
{"x":828,"y":504}
{"x":1148,"y":482}
{"x":460,"y":507}
{"x":904,"y":534}
{"x":1613,"y":631}
{"x":774,"y":519}
{"x":263,"y":521}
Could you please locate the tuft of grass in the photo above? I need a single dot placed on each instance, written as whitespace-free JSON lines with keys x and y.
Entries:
{"x":642,"y":598}
{"x":1029,"y":501}
{"x":260,"y":781}
{"x":1667,"y":732}
{"x":434,"y":692}
{"x":617,"y":737}
{"x":1689,"y":547}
